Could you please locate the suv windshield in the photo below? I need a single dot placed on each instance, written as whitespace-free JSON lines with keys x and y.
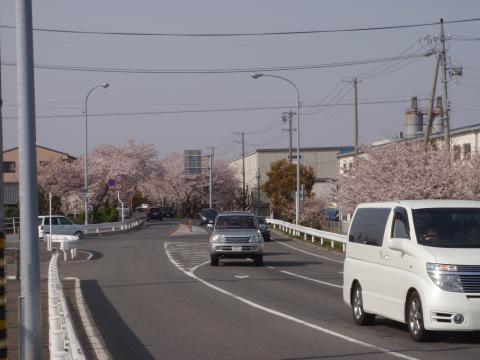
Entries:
{"x":236,"y":222}
{"x":209,"y":212}
{"x":448,"y":227}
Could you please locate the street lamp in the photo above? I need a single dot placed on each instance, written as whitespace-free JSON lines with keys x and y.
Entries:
{"x":297,"y":196}
{"x":104,"y":85}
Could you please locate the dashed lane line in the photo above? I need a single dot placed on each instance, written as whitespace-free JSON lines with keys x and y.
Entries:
{"x":311,"y":279}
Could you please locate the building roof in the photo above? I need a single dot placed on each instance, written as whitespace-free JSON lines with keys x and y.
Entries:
{"x":459,"y":130}
{"x":341,"y":149}
{"x":42,"y":147}
{"x":10,"y":193}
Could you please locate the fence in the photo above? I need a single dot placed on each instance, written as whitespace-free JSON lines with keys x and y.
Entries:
{"x":11,"y":225}
{"x":314,"y":234}
{"x":63,"y":341}
{"x":94,"y":229}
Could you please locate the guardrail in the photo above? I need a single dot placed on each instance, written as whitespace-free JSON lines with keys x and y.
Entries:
{"x":66,"y":242}
{"x":11,"y":225}
{"x":94,"y":229}
{"x":315,"y":234}
{"x":63,"y":341}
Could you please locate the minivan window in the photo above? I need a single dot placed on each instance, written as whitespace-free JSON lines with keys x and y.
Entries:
{"x":400,"y":228}
{"x":64,"y":221}
{"x":368,"y":226}
{"x":236,"y":222}
{"x":448,"y":227}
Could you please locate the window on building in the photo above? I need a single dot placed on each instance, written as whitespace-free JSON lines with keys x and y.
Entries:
{"x":467,"y":151}
{"x":9,"y":166}
{"x":457,"y":152}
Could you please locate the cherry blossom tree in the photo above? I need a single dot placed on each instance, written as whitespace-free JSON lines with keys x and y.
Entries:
{"x":403,"y":170}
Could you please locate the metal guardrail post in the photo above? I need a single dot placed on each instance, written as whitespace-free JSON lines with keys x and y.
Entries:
{"x":3,"y":299}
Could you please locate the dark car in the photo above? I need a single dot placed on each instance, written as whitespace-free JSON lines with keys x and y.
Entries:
{"x":207,"y":216}
{"x":168,"y":211}
{"x":155,"y":213}
{"x":263,"y":227}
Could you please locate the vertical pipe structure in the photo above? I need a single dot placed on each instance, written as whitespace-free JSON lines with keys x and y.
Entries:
{"x":3,"y":295}
{"x":355,"y":87}
{"x":210,"y":165}
{"x":430,"y":108}
{"x":258,"y":192}
{"x":31,"y":336}
{"x":446,"y":103}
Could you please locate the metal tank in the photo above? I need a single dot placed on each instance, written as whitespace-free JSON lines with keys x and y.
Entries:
{"x":413,"y":119}
{"x":437,"y":124}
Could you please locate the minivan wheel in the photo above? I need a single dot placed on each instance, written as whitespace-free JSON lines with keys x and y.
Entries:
{"x":213,"y":260}
{"x":359,"y":315}
{"x":258,"y":260}
{"x":415,"y":324}
{"x":79,"y":234}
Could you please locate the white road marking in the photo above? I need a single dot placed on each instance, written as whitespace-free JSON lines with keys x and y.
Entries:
{"x":271,"y":267}
{"x":310,"y":279}
{"x":242,"y":276}
{"x":283,"y":315}
{"x":188,"y":255}
{"x":309,"y":253}
{"x":93,"y":335}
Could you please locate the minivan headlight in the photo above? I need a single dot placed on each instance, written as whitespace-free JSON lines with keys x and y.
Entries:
{"x":217,"y":238}
{"x":445,"y":276}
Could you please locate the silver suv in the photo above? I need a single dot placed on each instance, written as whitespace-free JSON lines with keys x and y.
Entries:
{"x":236,"y":235}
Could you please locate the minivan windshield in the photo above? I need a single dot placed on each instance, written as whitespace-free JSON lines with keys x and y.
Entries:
{"x":448,"y":227}
{"x":236,"y":222}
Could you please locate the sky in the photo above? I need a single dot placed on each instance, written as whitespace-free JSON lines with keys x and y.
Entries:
{"x":172,"y":111}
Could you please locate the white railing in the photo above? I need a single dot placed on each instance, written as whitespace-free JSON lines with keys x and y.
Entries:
{"x":11,"y":225}
{"x":65,"y":242}
{"x":63,"y":341}
{"x":112,"y":227}
{"x":298,"y":230}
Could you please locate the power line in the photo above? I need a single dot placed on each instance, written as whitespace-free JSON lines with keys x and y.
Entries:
{"x":192,"y":111}
{"x":276,"y":33}
{"x":222,"y":71}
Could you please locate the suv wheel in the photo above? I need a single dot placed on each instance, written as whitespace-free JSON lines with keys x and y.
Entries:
{"x":258,"y":260}
{"x":213,"y":260}
{"x":415,"y":318}
{"x":359,"y":315}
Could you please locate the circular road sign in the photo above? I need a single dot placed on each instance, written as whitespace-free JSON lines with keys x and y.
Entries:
{"x":118,"y":178}
{"x":111,"y":183}
{"x":118,"y":187}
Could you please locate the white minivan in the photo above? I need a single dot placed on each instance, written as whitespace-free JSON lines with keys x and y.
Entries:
{"x":417,"y":262}
{"x":61,"y":225}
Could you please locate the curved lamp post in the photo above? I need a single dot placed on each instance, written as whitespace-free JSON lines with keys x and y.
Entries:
{"x":104,"y":85}
{"x":297,"y":196}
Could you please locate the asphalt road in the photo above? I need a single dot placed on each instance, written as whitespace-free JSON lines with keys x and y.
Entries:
{"x":153,"y":295}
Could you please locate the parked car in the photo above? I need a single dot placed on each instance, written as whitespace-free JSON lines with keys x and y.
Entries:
{"x":207,"y":216}
{"x":61,"y":225}
{"x":155,"y":213}
{"x":263,"y":227}
{"x":416,"y":262}
{"x":236,"y":235}
{"x":168,"y":211}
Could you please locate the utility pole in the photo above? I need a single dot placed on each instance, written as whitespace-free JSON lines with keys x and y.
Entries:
{"x":288,"y":116}
{"x":432,"y":100}
{"x":446,"y":103}
{"x":244,"y":195}
{"x":355,"y":81}
{"x":210,"y":174}
{"x":258,"y":192}
{"x":3,"y":300}
{"x":30,"y":310}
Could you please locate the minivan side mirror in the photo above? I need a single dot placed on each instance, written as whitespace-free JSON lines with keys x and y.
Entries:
{"x":399,"y":244}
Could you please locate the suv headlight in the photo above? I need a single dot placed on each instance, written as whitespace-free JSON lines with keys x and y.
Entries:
{"x":445,"y":276}
{"x":217,"y":238}
{"x":255,"y":238}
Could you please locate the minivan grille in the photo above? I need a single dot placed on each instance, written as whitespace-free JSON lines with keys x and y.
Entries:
{"x":237,"y":240}
{"x":470,"y":283}
{"x":469,"y":268}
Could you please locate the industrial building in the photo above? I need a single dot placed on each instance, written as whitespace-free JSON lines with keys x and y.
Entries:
{"x":323,"y":160}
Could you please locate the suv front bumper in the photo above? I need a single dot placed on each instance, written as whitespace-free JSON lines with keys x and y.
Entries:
{"x":236,"y":250}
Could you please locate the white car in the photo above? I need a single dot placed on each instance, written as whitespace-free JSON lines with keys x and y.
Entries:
{"x":60,"y":226}
{"x":417,"y":262}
